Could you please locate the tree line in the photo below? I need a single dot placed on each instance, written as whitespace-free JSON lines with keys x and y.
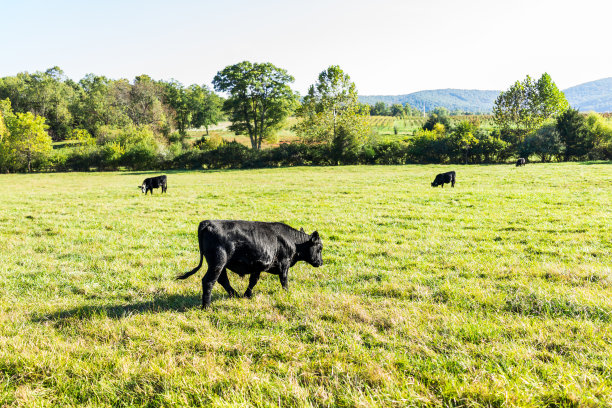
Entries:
{"x":142,"y":124}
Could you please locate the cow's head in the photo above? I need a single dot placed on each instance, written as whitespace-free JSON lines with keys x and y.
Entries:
{"x":143,"y":187}
{"x":314,"y":247}
{"x":434,"y":184}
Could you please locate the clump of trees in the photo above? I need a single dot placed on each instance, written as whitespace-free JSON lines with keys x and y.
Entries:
{"x":142,"y":124}
{"x":331,"y":116}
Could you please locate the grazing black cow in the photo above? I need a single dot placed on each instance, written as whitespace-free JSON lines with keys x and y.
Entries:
{"x":249,"y":248}
{"x":154,"y":182}
{"x":520,"y":162}
{"x":448,"y":177}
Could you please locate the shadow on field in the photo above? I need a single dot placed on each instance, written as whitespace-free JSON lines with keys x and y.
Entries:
{"x":175,"y":303}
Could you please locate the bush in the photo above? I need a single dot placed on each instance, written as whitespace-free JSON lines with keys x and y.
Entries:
{"x":140,"y":156}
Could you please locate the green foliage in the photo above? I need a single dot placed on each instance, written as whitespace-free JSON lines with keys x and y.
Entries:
{"x":429,"y":146}
{"x":260,"y":98}
{"x":438,"y":115}
{"x":544,"y":143}
{"x":205,"y":106}
{"x":48,"y":94}
{"x":330,"y":112}
{"x":490,"y":148}
{"x":601,"y":134}
{"x":526,"y":105}
{"x":380,"y":109}
{"x":180,"y":101}
{"x":462,"y":138}
{"x":25,"y":140}
{"x":397,"y":110}
{"x":574,"y":134}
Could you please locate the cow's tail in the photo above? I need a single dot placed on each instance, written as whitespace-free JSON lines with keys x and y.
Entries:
{"x":194,"y":270}
{"x":203,"y":225}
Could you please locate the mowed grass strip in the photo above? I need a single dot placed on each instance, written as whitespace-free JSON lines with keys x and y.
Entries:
{"x":495,"y":293}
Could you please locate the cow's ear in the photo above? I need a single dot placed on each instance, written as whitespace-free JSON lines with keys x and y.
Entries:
{"x":315,"y":236}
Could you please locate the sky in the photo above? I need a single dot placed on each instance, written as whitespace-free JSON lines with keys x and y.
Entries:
{"x":388,"y":47}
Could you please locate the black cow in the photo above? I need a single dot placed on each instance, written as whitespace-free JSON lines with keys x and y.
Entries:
{"x":154,"y":182}
{"x":448,"y":177}
{"x":249,"y":248}
{"x":520,"y":162}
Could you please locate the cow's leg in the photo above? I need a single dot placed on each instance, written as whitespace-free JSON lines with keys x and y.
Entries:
{"x":453,"y":183}
{"x":253,"y":278}
{"x":224,"y":281}
{"x":216,"y":265}
{"x":284,"y":272}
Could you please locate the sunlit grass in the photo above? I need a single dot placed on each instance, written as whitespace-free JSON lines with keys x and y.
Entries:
{"x":497,"y":292}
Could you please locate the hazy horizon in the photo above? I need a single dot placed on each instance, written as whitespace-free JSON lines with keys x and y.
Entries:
{"x":388,"y":47}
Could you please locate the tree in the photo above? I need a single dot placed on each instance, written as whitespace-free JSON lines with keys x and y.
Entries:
{"x":574,"y":134}
{"x":330,"y":112}
{"x":601,"y":134}
{"x":146,"y":107}
{"x":397,"y":110}
{"x":463,"y":138}
{"x":526,"y":105}
{"x":380,"y":109}
{"x":45,"y":94}
{"x":26,"y":139}
{"x":205,"y":107}
{"x":543,"y":142}
{"x":178,"y":98}
{"x":438,"y":115}
{"x":260,"y":98}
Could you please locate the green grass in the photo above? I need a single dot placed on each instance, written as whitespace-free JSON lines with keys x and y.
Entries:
{"x":495,"y":293}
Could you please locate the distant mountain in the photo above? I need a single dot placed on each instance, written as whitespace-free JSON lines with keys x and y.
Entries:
{"x":595,"y":96}
{"x":468,"y":100}
{"x":591,"y":96}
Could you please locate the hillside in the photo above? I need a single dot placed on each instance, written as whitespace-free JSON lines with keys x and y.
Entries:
{"x":469,"y":100}
{"x":591,"y":96}
{"x":594,"y":95}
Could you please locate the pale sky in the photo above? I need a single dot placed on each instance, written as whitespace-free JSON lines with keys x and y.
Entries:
{"x":388,"y":47}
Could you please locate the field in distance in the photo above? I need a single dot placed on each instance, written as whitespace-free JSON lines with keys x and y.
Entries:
{"x":495,"y":293}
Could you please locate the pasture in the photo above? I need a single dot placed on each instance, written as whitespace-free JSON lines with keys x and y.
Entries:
{"x":495,"y":293}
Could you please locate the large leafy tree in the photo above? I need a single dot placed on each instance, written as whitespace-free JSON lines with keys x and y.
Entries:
{"x":23,"y":139}
{"x":574,"y":134}
{"x":47,"y":94}
{"x":177,"y":96}
{"x":526,"y":105}
{"x":462,"y":138}
{"x":260,"y":98}
{"x":330,"y":112}
{"x":205,"y":106}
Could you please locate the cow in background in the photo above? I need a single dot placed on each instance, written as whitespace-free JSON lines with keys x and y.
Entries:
{"x":154,"y":182}
{"x":448,"y":177}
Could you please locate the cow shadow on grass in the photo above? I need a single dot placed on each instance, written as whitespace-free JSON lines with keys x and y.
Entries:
{"x":165,"y":303}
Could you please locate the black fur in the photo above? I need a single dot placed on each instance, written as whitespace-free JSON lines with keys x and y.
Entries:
{"x":448,"y":177}
{"x":249,"y":248}
{"x":154,"y":182}
{"x":520,"y":162}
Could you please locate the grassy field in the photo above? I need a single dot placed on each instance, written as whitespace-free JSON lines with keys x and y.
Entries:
{"x":495,"y":293}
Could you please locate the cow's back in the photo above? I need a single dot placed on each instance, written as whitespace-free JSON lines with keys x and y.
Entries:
{"x":242,"y":241}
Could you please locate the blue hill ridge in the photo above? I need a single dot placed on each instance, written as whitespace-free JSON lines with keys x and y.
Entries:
{"x":590,"y":96}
